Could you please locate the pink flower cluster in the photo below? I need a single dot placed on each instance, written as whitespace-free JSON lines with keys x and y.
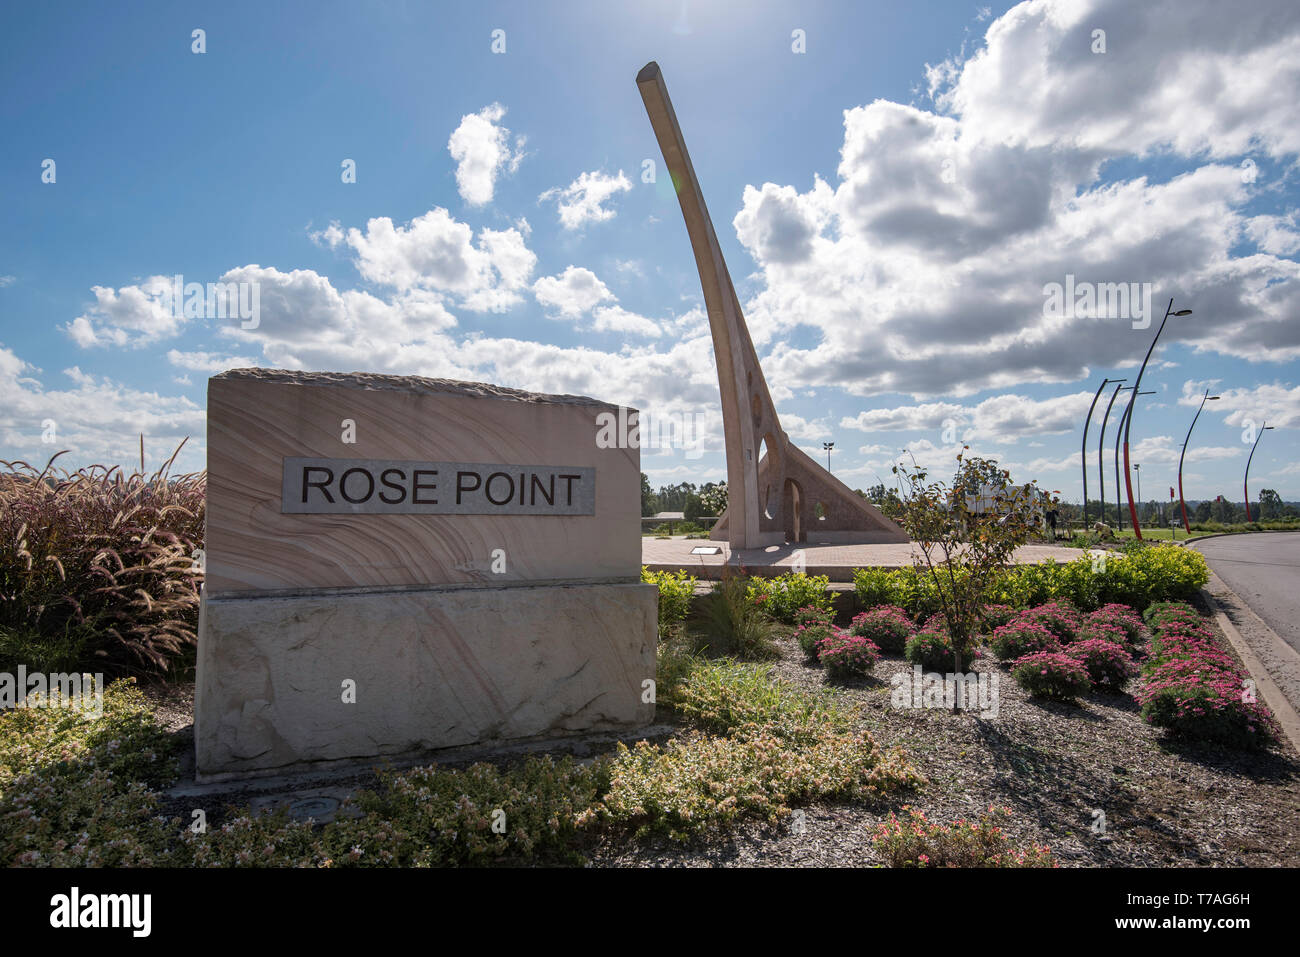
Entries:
{"x":844,"y":655}
{"x":1109,"y":665}
{"x":1059,"y":617}
{"x":886,"y":625}
{"x":1123,"y":617}
{"x":1022,"y":637}
{"x":1192,"y":687}
{"x":1051,"y":674}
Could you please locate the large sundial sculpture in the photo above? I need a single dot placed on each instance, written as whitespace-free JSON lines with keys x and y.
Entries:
{"x":773,"y":499}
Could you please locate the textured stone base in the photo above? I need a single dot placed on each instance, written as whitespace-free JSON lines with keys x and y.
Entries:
{"x":433,"y":668}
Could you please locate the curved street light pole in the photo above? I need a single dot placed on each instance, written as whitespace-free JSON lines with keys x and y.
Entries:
{"x":1083,"y":452}
{"x":1137,"y":466}
{"x":1245,"y":482}
{"x":1101,"y":447}
{"x":1187,"y":526}
{"x":1119,"y":438}
{"x":1128,"y":424}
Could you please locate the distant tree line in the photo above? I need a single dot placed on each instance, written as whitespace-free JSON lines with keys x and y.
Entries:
{"x":686,"y":497}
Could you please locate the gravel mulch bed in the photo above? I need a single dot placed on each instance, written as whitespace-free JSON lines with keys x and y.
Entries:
{"x":1054,"y":765}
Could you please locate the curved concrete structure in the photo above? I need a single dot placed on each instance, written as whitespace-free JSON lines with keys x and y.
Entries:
{"x":773,"y":495}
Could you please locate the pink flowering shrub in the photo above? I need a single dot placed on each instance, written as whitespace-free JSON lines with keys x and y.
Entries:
{"x":1107,"y":631}
{"x":1122,"y":616}
{"x":1194,"y":689}
{"x":1196,"y":697}
{"x":936,"y":622}
{"x":932,"y":650}
{"x":1190,"y":642}
{"x":913,"y":841}
{"x":995,"y":616}
{"x":1109,"y":665}
{"x":1165,"y":613}
{"x":813,"y":615}
{"x":809,"y":636}
{"x":847,"y":656}
{"x":1052,"y":674}
{"x":1059,"y":617}
{"x":1020,"y":638}
{"x":886,"y":625}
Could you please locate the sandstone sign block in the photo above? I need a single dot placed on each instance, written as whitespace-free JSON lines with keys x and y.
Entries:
{"x":397,"y":564}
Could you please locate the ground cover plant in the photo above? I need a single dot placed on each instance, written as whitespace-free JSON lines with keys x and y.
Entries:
{"x":913,"y":841}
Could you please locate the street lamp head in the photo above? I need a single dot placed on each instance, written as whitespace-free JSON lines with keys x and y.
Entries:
{"x":1182,"y":312}
{"x":1212,"y":398}
{"x":1269,"y":428}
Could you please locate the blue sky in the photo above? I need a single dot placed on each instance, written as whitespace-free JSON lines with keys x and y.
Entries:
{"x":892,"y":203}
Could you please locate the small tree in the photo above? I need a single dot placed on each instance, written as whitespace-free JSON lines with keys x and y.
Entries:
{"x":714,"y":498}
{"x":964,"y":550}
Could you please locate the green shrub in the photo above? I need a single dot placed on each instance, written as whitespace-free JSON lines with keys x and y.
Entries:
{"x":674,"y":661}
{"x":720,"y":696}
{"x":676,"y":591}
{"x":125,"y":741}
{"x":915,"y":842}
{"x":904,"y":587}
{"x":781,"y":597}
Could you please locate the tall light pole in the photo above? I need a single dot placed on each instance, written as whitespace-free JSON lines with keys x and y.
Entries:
{"x":1119,"y":437}
{"x":1101,"y":446}
{"x":828,"y":446}
{"x":1137,"y":466}
{"x":1187,"y":526}
{"x":1083,"y":452}
{"x":1128,"y":424}
{"x":1245,"y":487}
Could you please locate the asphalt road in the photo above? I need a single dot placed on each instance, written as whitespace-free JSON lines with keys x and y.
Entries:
{"x":1263,"y":568}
